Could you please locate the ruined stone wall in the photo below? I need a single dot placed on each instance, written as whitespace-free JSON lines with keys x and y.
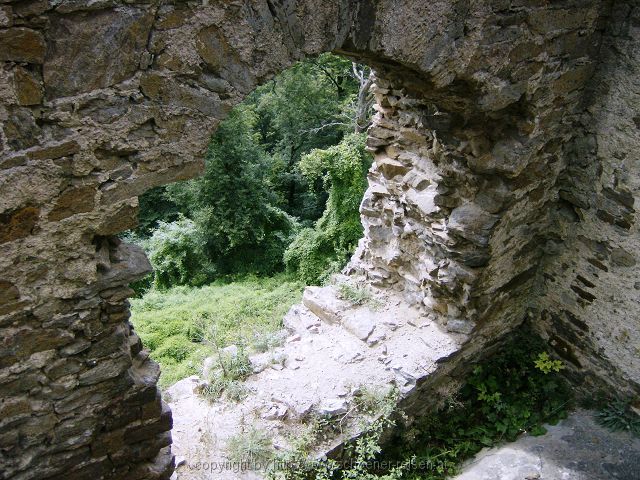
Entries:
{"x":479,"y":105}
{"x":464,"y":182}
{"x":590,"y":309}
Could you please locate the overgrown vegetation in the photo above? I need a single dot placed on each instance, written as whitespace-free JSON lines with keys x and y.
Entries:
{"x":510,"y":393}
{"x":176,"y":324}
{"x":285,"y":172}
{"x":322,"y":250}
{"x":300,"y":466}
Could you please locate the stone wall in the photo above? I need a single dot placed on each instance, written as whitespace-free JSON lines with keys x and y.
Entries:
{"x":501,"y":186}
{"x":590,"y":309}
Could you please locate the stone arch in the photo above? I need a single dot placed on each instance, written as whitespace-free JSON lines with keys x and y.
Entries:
{"x":480,"y":104}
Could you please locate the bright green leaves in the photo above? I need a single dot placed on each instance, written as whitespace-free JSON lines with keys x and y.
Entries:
{"x":318,"y":252}
{"x":546,"y":365}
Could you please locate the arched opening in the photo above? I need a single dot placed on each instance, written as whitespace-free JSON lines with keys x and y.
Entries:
{"x":501,"y":191}
{"x":285,"y":175}
{"x":276,"y":209}
{"x":393,"y":324}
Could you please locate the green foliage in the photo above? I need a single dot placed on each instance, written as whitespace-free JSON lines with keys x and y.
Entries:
{"x":265,"y":341}
{"x":303,"y":108}
{"x":253,"y":198}
{"x":296,"y":460}
{"x":546,"y":365}
{"x":172,"y":324}
{"x":176,"y":348}
{"x":366,"y":449}
{"x":236,"y":391}
{"x":318,"y":252}
{"x":359,"y":453}
{"x":228,"y":375}
{"x":241,"y":227}
{"x":155,"y":207}
{"x":372,"y":401}
{"x":176,"y":251}
{"x":230,"y":370}
{"x":252,"y":447}
{"x":618,"y":416}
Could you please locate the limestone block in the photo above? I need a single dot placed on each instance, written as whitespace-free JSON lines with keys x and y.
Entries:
{"x":324,"y":302}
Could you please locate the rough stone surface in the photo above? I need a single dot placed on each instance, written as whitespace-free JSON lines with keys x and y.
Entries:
{"x":504,"y":187}
{"x":575,"y":449}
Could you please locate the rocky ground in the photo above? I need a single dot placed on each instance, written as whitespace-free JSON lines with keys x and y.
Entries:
{"x":334,"y":349}
{"x":575,"y":449}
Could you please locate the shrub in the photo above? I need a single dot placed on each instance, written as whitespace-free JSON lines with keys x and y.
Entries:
{"x":316,"y":253}
{"x":176,"y":252}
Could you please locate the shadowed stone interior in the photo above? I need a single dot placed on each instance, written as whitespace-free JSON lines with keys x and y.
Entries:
{"x":503,"y":188}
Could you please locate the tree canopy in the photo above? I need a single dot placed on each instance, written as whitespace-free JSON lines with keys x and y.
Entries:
{"x":284,"y":173}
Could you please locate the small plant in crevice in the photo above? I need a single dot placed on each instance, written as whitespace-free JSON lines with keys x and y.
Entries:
{"x":231,"y":367}
{"x":359,"y":453}
{"x":227,"y":378}
{"x":236,"y":391}
{"x":372,"y":401}
{"x":265,"y":341}
{"x":545,"y":364}
{"x":366,"y":449}
{"x":618,"y":416}
{"x":357,"y":295}
{"x":296,"y":463}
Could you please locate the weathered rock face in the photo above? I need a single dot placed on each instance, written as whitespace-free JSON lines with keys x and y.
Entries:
{"x":503,"y":188}
{"x":590,"y":307}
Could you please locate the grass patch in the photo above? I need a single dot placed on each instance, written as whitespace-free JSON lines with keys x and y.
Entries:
{"x":252,"y":447}
{"x":230,"y":369}
{"x":357,"y":295}
{"x":171,"y":323}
